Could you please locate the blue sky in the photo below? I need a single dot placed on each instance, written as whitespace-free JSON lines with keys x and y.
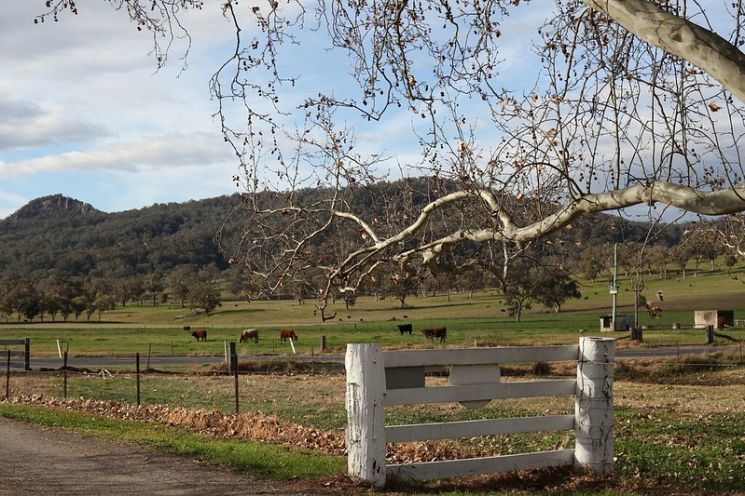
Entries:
{"x":84,"y":113}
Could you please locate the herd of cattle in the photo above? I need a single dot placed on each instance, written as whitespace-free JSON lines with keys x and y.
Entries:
{"x":431,"y":333}
{"x":200,"y":334}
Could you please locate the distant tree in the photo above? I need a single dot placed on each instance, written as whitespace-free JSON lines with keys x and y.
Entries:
{"x":104,"y":302}
{"x":204,"y":293}
{"x":205,"y":296}
{"x":472,"y":280}
{"x":404,"y":283}
{"x":658,"y":257}
{"x":554,"y":290}
{"x":130,"y":288}
{"x":153,"y":286}
{"x":680,"y":255}
{"x":730,"y":260}
{"x":350,"y":298}
{"x":519,"y":290}
{"x":26,"y":300}
{"x":79,"y":304}
{"x":596,"y":261}
{"x":703,"y":245}
{"x":239,"y":281}
{"x":6,"y":306}
{"x":180,"y":280}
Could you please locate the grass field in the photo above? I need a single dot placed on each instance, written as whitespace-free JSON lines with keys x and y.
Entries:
{"x":677,"y":431}
{"x":473,"y":321}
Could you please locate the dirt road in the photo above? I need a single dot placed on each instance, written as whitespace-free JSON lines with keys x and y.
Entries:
{"x":36,"y":460}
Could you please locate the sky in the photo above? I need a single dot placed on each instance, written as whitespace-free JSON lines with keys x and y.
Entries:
{"x":85,"y":113}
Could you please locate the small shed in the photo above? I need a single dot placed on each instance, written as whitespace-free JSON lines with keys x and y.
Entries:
{"x":623,"y":323}
{"x":716,"y":318}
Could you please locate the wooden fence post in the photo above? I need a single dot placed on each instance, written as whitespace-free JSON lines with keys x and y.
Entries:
{"x":27,"y":350}
{"x":323,"y":343}
{"x":234,"y":370}
{"x":7,"y":378}
{"x":233,"y":360}
{"x":709,"y":334}
{"x":593,"y":411}
{"x":64,"y":375}
{"x":365,"y":435}
{"x":137,"y":375}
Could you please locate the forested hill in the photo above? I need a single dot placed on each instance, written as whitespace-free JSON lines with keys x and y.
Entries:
{"x":62,"y":237}
{"x":65,"y":237}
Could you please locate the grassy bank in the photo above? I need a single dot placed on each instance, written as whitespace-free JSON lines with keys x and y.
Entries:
{"x":264,"y":460}
{"x":676,"y":432}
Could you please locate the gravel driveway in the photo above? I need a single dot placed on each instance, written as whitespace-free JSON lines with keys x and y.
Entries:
{"x":37,"y":460}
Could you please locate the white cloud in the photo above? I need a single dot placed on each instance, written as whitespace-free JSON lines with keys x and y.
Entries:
{"x":174,"y":150}
{"x":27,"y":124}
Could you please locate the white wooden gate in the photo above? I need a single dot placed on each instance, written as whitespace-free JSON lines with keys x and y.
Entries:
{"x":376,"y":379}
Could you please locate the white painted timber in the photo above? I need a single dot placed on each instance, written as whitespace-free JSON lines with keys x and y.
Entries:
{"x":365,"y":434}
{"x":594,"y":405}
{"x":472,"y":428}
{"x":474,"y":466}
{"x":471,"y":356}
{"x":447,"y":394}
{"x":473,"y":374}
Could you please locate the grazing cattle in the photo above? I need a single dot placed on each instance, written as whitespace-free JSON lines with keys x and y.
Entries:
{"x":249,"y":334}
{"x":654,"y":312}
{"x":200,"y":334}
{"x":721,"y":322}
{"x":285,"y":334}
{"x":402,"y":328}
{"x":437,"y":333}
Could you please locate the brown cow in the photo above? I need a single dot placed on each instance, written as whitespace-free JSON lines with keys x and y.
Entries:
{"x":200,"y":334}
{"x":285,"y":334}
{"x":654,"y":312}
{"x":249,"y":334}
{"x":437,"y":333}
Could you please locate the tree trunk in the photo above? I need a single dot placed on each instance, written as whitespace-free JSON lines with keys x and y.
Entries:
{"x":518,"y":310}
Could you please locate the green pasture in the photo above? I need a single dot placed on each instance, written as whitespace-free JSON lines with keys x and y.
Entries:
{"x":126,"y":340}
{"x":479,"y":320}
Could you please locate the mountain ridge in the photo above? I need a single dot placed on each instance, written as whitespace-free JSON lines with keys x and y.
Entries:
{"x":53,"y":206}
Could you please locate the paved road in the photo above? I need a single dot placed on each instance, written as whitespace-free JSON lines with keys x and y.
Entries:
{"x":38,"y":460}
{"x":180,"y":361}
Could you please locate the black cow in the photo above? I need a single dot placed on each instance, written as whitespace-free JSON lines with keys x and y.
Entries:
{"x":402,"y":328}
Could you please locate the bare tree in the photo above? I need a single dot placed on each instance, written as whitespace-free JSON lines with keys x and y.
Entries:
{"x":637,"y":103}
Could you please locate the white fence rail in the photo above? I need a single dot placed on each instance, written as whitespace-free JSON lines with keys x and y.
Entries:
{"x":376,"y":379}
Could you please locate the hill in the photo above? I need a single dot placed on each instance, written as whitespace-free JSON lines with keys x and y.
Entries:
{"x":61,"y":236}
{"x":53,"y":207}
{"x":57,"y":236}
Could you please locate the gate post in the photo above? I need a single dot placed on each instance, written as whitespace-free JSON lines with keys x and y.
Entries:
{"x":27,"y":350}
{"x":365,"y":436}
{"x":593,"y":412}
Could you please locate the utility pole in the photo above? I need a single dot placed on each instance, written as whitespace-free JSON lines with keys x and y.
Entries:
{"x":638,"y":288}
{"x":614,"y":286}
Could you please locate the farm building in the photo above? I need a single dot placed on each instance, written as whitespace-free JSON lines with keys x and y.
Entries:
{"x":716,"y":318}
{"x":623,"y":323}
